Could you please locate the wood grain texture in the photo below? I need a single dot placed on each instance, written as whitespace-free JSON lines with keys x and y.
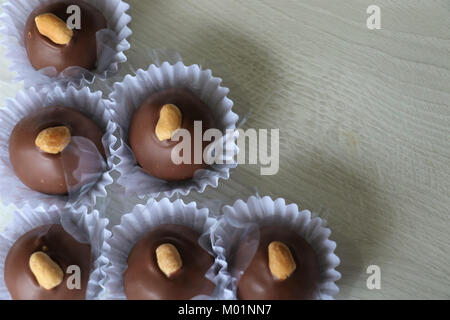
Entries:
{"x":364,"y":118}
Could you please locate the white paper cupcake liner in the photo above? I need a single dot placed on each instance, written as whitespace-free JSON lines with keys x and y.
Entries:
{"x":257,"y":212}
{"x":84,"y":227}
{"x":143,"y":219}
{"x":12,"y":190}
{"x":128,"y":96}
{"x":112,"y":43}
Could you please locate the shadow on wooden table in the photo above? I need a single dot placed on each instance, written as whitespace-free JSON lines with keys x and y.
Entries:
{"x":245,"y":66}
{"x":354,"y":216}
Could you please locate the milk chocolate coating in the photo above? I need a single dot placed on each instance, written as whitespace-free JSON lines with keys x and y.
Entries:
{"x":61,"y":248}
{"x":42,"y":171}
{"x":81,"y":51}
{"x":258,"y":283}
{"x":154,"y":156}
{"x":143,"y":280}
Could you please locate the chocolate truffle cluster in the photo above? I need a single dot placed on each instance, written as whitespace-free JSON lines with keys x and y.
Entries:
{"x":168,"y":262}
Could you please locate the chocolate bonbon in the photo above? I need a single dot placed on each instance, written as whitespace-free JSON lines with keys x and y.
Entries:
{"x":37,"y":265}
{"x":51,"y":43}
{"x":285,"y":267}
{"x":168,"y":264}
{"x":36,"y":143}
{"x":155,"y":122}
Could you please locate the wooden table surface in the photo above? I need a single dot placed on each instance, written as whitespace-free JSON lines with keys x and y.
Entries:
{"x":364,"y":118}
